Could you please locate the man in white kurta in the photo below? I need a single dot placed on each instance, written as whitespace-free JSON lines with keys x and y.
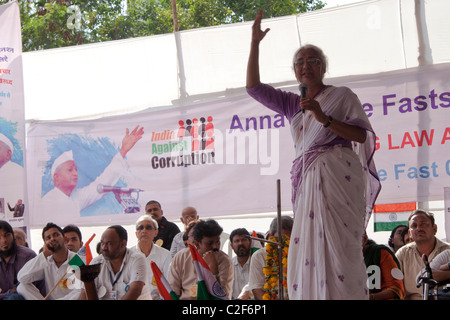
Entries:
{"x":146,"y":230}
{"x":44,"y":268}
{"x":51,"y":266}
{"x":56,"y":202}
{"x":64,"y":202}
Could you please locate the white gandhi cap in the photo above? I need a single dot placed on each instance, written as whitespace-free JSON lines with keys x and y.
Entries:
{"x":64,"y":157}
{"x":6,"y":141}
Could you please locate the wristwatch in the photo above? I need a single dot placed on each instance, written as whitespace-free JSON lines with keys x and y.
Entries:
{"x":326,"y":125}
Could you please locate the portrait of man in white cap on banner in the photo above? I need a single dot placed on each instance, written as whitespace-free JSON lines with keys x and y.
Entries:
{"x":6,"y":153}
{"x":11,"y":173}
{"x":65,"y":200}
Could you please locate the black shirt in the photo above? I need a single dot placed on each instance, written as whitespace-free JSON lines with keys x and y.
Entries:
{"x":166,"y":231}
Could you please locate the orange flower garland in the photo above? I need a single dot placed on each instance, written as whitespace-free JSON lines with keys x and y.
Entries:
{"x":271,"y":269}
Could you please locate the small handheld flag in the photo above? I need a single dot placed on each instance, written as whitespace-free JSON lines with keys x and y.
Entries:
{"x":208,"y":288}
{"x":162,"y":284}
{"x":83,"y":256}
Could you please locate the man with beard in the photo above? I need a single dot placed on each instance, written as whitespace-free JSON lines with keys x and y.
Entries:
{"x":123,"y":274}
{"x":241,"y":245}
{"x":51,"y":266}
{"x":422,"y":230}
{"x":12,"y":258}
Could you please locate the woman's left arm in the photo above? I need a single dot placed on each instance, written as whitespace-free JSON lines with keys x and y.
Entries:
{"x":344,"y":130}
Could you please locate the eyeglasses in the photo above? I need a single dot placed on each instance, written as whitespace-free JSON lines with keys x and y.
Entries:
{"x":309,"y":61}
{"x":147,"y":227}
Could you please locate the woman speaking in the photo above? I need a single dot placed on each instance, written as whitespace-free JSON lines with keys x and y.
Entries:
{"x":334,"y":179}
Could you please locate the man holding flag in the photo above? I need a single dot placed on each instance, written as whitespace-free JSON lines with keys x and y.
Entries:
{"x":51,"y":266}
{"x":202,"y":266}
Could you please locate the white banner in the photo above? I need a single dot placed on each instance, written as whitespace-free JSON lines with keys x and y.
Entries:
{"x":410,"y":112}
{"x":224,"y":157}
{"x":447,"y":212}
{"x":13,"y":200}
{"x":195,"y":156}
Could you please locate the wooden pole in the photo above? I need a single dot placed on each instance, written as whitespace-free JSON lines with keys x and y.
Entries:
{"x":57,"y":283}
{"x":175,"y":16}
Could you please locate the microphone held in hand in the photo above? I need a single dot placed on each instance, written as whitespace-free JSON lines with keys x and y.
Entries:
{"x":427,"y":266}
{"x":303,"y":87}
{"x":103,"y":189}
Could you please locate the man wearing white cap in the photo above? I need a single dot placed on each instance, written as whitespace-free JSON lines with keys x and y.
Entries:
{"x":65,"y":201}
{"x":10,"y":172}
{"x":6,"y":150}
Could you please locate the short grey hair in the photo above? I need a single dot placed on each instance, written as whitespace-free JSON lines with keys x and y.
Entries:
{"x":317,"y":50}
{"x":146,"y":217}
{"x":287,"y":223}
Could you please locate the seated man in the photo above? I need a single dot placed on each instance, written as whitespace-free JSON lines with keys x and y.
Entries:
{"x":241,"y":245}
{"x":256,"y":279}
{"x":187,"y":215}
{"x":20,"y":237}
{"x":182,"y":276}
{"x":166,"y":230}
{"x":123,"y":272}
{"x":12,"y":258}
{"x":73,"y":237}
{"x":146,"y":230}
{"x":51,"y":266}
{"x":422,"y":230}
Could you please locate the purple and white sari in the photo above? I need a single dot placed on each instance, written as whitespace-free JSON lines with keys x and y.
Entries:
{"x":334,"y":188}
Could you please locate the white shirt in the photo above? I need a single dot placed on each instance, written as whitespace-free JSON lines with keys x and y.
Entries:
{"x":241,"y":276}
{"x":42,"y":268}
{"x":256,"y":279}
{"x":441,"y":258}
{"x":59,"y":208}
{"x":114,"y":286}
{"x":163,"y":259}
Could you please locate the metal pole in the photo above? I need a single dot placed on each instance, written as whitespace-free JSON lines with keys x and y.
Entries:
{"x":280,"y":246}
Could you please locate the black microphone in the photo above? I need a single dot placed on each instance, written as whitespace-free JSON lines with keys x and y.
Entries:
{"x":303,"y":87}
{"x":103,"y":189}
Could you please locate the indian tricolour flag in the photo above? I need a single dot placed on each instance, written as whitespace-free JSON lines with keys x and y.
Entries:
{"x":83,"y":256}
{"x":164,"y":288}
{"x":256,"y":245}
{"x":388,"y":216}
{"x":208,"y":288}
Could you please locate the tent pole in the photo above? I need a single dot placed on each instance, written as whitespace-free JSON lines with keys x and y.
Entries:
{"x":280,"y":244}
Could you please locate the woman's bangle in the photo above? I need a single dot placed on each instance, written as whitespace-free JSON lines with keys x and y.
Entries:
{"x":330,"y":119}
